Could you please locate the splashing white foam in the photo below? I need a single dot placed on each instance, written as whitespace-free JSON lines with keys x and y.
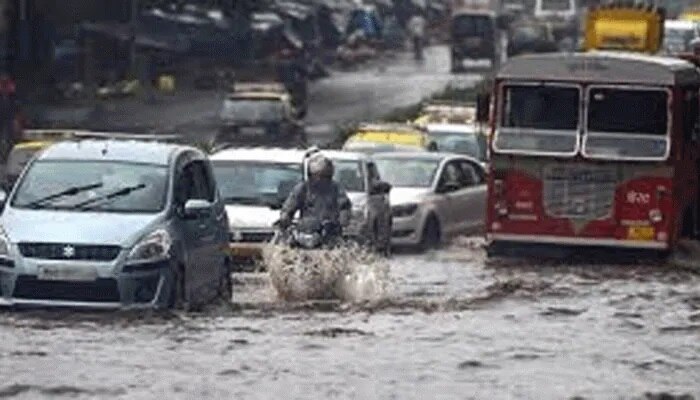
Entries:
{"x":348,"y":273}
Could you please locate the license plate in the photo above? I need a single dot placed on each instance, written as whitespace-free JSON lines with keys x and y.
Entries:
{"x":641,"y":233}
{"x":67,"y":273}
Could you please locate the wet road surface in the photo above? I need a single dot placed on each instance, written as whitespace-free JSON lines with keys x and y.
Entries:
{"x":453,"y":326}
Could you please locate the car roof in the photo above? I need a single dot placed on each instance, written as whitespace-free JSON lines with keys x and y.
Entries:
{"x":413,"y":155}
{"x":272,"y":155}
{"x":457,"y":128}
{"x":345,"y":155}
{"x":436,"y":156}
{"x":114,"y":150}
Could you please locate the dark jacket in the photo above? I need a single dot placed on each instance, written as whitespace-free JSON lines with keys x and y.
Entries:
{"x":323,"y":200}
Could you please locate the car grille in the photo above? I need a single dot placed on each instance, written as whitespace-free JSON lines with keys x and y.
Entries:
{"x":54,"y":251}
{"x":578,"y":191}
{"x":252,"y":237}
{"x":101,"y":290}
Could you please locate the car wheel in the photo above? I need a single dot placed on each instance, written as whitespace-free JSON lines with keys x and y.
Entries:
{"x":225,"y":291}
{"x":431,"y":236}
{"x":176,"y":296}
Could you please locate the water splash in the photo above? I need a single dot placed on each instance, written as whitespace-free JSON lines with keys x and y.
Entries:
{"x":348,"y":273}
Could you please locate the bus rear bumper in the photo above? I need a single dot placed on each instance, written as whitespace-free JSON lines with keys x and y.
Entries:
{"x":577,"y":241}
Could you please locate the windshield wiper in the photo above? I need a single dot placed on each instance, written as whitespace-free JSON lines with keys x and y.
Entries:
{"x":71,"y":191}
{"x":109,"y":196}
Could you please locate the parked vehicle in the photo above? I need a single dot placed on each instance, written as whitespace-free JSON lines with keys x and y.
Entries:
{"x":678,"y":36}
{"x":370,"y":222}
{"x":254,"y":182}
{"x":434,"y":196}
{"x":465,"y":139}
{"x":473,"y":36}
{"x":596,"y":156}
{"x":114,"y":224}
{"x":262,"y":112}
{"x":372,"y":138}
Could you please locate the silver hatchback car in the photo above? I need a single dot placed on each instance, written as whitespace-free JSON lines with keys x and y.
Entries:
{"x":114,"y":224}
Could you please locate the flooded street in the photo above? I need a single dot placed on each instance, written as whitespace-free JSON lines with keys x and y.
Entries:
{"x":453,"y":325}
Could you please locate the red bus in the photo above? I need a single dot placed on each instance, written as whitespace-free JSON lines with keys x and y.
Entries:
{"x":594,"y":149}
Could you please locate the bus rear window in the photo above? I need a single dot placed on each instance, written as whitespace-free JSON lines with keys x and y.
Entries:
{"x":615,"y":110}
{"x":541,"y":107}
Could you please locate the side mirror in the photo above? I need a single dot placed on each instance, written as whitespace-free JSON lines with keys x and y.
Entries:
{"x":381,"y":188}
{"x":195,"y":209}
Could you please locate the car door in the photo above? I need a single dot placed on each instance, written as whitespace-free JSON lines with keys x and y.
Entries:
{"x":207,"y":226}
{"x":190,"y":186}
{"x":378,"y":202}
{"x":448,"y":191}
{"x":472,"y":197}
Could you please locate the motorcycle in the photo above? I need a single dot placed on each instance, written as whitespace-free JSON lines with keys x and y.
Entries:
{"x":308,"y":234}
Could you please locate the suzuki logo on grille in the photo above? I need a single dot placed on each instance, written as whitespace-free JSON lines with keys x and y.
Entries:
{"x":69,"y":252}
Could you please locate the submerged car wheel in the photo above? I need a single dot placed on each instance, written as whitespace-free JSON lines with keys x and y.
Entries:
{"x":430,"y":239}
{"x":176,"y":296}
{"x":225,"y":290}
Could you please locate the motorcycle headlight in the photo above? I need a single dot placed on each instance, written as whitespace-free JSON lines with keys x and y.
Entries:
{"x":405,"y":210}
{"x":308,"y":240}
{"x":154,"y":247}
{"x":4,"y":243}
{"x":359,"y":209}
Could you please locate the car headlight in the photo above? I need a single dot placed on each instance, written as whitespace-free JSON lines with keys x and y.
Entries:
{"x":4,"y":243}
{"x":154,"y":247}
{"x":404,"y":210}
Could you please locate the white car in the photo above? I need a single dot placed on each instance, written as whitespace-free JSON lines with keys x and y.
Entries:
{"x":464,"y":139}
{"x":434,"y":196}
{"x":370,"y":222}
{"x":254,"y":183}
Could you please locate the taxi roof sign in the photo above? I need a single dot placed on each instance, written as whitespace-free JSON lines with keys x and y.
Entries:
{"x":625,"y":28}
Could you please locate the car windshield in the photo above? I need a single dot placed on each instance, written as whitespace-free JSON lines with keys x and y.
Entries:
{"x":256,"y":183}
{"x":539,"y":119}
{"x":467,"y":143}
{"x":93,"y":185}
{"x":349,"y":175}
{"x":405,"y":172}
{"x":616,"y":128}
{"x":472,"y":25}
{"x":253,"y":110}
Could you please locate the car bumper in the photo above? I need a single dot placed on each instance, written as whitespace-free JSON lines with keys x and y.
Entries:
{"x":132,"y":287}
{"x":576,"y":241}
{"x":406,"y":231}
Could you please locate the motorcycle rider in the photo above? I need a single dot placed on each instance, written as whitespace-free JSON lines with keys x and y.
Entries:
{"x":320,"y":197}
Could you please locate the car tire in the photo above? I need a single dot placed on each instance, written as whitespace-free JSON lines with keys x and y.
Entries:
{"x":176,"y":299}
{"x":431,"y":236}
{"x":225,"y":288}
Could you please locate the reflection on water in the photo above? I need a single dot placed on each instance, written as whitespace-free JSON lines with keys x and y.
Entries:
{"x":448,"y":323}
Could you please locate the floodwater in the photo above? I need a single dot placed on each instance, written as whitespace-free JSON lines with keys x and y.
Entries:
{"x":452,"y":326}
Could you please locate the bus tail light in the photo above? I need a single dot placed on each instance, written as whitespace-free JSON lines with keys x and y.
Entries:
{"x":656,"y":216}
{"x":501,"y":208}
{"x":498,"y":187}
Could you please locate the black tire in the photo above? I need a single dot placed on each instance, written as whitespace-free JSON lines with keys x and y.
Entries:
{"x":225,"y":287}
{"x":176,"y":295}
{"x":431,"y":236}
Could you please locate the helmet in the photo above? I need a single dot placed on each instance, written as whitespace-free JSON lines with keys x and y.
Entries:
{"x":321,"y":166}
